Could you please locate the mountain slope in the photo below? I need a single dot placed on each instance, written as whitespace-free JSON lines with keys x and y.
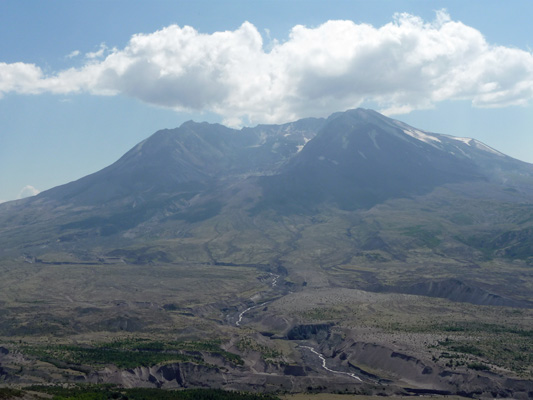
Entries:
{"x":361,"y":158}
{"x":173,"y":171}
{"x":185,"y":180}
{"x":194,"y":152}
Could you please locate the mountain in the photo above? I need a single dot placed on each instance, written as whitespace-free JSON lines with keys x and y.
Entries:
{"x":347,"y":172}
{"x":351,"y":161}
{"x":193,"y":154}
{"x":170,"y":172}
{"x":312,"y":256}
{"x":362,"y":158}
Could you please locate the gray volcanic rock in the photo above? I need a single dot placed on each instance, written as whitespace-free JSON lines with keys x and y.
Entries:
{"x":361,"y":158}
{"x":189,"y":156}
{"x":182,"y":177}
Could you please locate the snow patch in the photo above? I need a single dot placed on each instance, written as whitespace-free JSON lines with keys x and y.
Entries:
{"x":483,"y":146}
{"x":477,"y":145}
{"x":465,"y":140}
{"x":422,"y":136}
{"x":464,"y":154}
{"x":373,"y":135}
{"x":301,"y":146}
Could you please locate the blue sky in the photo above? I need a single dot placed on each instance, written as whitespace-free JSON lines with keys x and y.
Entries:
{"x":81,"y":82}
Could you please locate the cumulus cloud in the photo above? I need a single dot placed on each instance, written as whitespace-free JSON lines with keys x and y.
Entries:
{"x":20,"y":77}
{"x":28,"y":191}
{"x":404,"y":65}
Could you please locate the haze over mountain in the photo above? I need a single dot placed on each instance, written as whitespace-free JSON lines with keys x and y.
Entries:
{"x":181,"y":178}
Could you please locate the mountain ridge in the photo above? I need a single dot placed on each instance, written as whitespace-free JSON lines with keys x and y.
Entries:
{"x":178,"y":179}
{"x":197,"y":168}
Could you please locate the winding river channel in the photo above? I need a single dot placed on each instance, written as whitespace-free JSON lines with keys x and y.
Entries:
{"x":311,"y":349}
{"x":321,"y":356}
{"x":238,"y":323}
{"x":273,"y":284}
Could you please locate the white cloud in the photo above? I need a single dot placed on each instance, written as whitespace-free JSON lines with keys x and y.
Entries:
{"x":97,"y":54}
{"x":73,"y":54}
{"x":28,"y":191}
{"x":404,"y":65}
{"x":20,"y":78}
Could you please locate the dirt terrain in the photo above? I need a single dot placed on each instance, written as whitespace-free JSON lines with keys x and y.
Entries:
{"x":254,"y":329}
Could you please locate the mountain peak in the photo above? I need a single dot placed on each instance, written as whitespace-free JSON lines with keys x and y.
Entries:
{"x":360,"y":158}
{"x":353,"y":159}
{"x":361,"y":114}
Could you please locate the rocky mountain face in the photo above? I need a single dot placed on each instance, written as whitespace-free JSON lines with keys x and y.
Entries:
{"x":357,"y":158}
{"x":351,"y":161}
{"x":170,"y":172}
{"x":361,"y":158}
{"x":377,"y":183}
{"x":193,"y":155}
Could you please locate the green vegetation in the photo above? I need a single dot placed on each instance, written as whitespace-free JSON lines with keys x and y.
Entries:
{"x":104,"y":392}
{"x":7,"y":393}
{"x":423,"y":236}
{"x":462,"y":348}
{"x":513,"y":244}
{"x":473,"y":326}
{"x":505,"y":346}
{"x":94,"y":356}
{"x":268,"y":354}
{"x":479,"y":367}
{"x":129,"y":353}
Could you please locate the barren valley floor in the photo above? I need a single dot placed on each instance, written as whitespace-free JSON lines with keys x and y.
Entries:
{"x":250,"y":328}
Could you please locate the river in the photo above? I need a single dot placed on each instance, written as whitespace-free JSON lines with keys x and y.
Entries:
{"x":273,"y":285}
{"x":321,"y":356}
